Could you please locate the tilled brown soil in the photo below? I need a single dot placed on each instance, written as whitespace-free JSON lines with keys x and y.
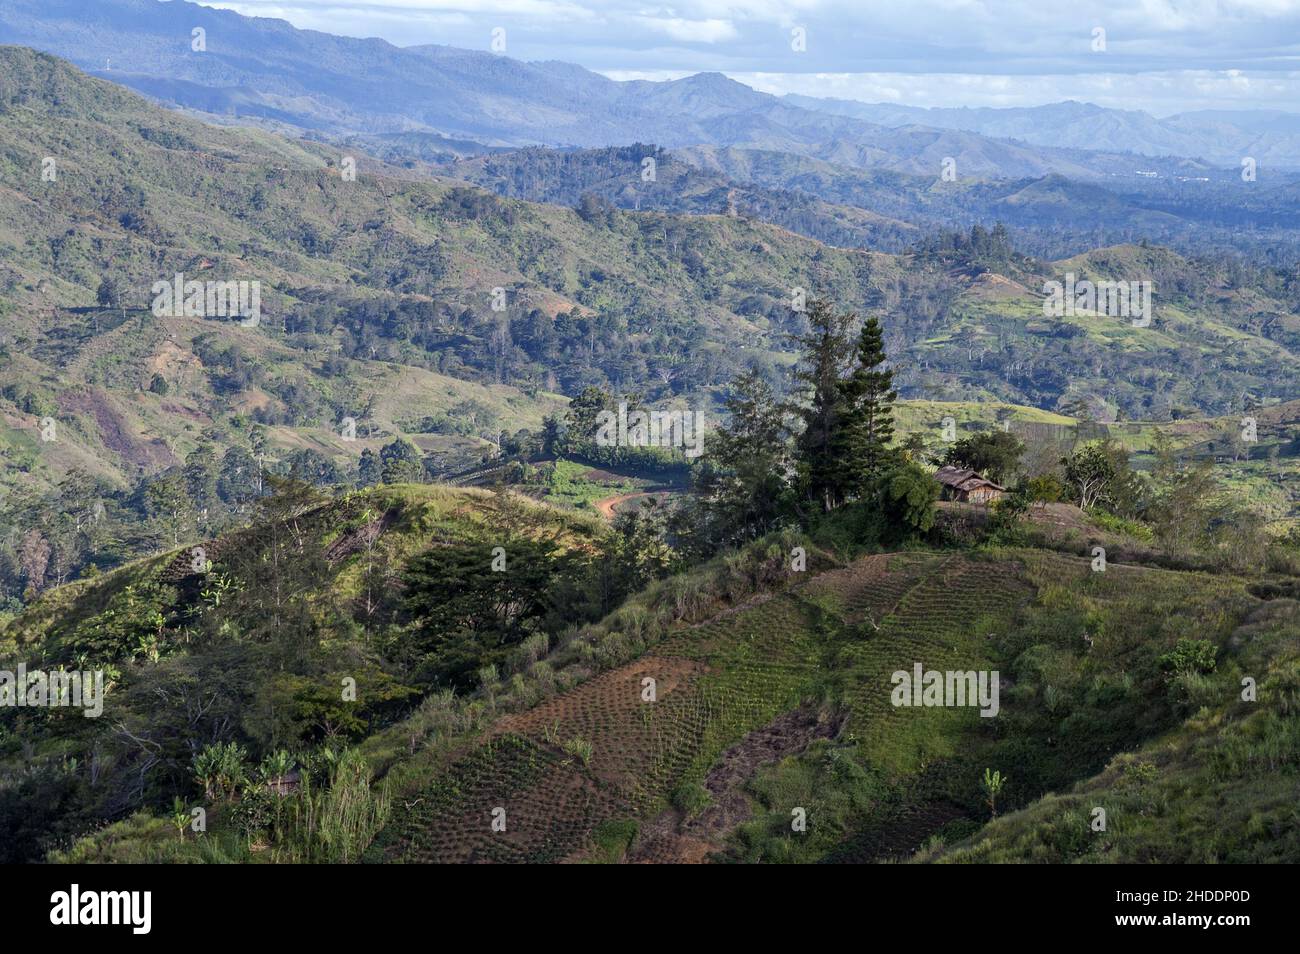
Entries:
{"x":672,"y":839}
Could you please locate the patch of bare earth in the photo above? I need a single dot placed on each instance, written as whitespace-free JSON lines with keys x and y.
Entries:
{"x":173,"y":362}
{"x":114,"y":432}
{"x":671,"y":838}
{"x":359,"y":539}
{"x":606,"y":506}
{"x":186,"y":412}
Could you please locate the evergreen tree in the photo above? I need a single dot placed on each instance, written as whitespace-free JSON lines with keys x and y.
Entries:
{"x":110,"y":294}
{"x":582,"y":420}
{"x":824,"y":346}
{"x":369,"y":471}
{"x":169,"y":507}
{"x":239,"y":480}
{"x":866,"y":418}
{"x":746,"y":490}
{"x":401,"y":463}
{"x":469,"y":616}
{"x":553,"y":437}
{"x":279,"y":560}
{"x":200,"y":473}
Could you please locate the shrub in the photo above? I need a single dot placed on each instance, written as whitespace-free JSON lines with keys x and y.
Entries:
{"x":1189,"y":655}
{"x":910,"y":495}
{"x":1008,"y":511}
{"x":690,"y":798}
{"x":335,"y":823}
{"x":1139,"y":773}
{"x":580,"y":747}
{"x":1045,"y":489}
{"x":614,"y":838}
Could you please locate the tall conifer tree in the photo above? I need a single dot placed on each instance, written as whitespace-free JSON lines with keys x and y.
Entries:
{"x":746,"y":490}
{"x":825,"y":347}
{"x":860,"y":443}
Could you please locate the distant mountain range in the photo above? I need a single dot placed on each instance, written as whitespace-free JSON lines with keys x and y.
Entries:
{"x":1270,"y":137}
{"x":1053,"y":216}
{"x":453,"y":102}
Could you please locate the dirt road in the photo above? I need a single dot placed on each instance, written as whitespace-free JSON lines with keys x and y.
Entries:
{"x":606,"y":506}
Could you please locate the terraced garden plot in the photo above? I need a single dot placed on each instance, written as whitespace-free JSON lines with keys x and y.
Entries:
{"x":944,"y":622}
{"x":551,"y":804}
{"x":631,"y":734}
{"x":717,"y":684}
{"x":868,"y":589}
{"x":736,"y":684}
{"x":674,"y":838}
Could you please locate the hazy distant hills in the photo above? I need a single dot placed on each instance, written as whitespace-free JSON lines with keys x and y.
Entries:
{"x":1217,"y":136}
{"x":445,"y":99}
{"x":1053,"y":216}
{"x":846,"y":173}
{"x":376,"y":293}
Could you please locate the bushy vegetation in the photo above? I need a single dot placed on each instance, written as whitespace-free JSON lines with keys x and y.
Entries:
{"x":336,"y":657}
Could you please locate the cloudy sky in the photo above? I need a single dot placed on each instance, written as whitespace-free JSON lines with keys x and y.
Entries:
{"x":1163,"y":56}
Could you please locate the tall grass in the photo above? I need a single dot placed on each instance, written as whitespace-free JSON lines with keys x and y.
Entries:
{"x":335,"y":823}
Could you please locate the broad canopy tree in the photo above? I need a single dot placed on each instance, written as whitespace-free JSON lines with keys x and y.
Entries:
{"x":473,"y":602}
{"x":993,"y":454}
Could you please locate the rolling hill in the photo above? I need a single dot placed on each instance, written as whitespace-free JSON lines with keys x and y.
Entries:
{"x":771,"y":701}
{"x":1223,"y":138}
{"x":264,"y":70}
{"x":377,"y":296}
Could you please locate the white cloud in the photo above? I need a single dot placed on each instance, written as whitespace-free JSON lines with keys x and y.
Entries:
{"x":1159,"y":93}
{"x":693,"y":31}
{"x":1161,"y":55}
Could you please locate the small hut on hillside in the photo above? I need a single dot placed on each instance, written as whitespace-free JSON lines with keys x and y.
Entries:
{"x":967,"y":486}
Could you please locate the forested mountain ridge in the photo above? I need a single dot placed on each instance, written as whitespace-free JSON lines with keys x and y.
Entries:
{"x":287,"y":210}
{"x":442,"y":103}
{"x":264,"y":70}
{"x":362,"y":278}
{"x":1221,"y":137}
{"x":1051,"y":217}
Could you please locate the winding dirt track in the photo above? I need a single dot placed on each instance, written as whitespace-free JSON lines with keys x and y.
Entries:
{"x":606,"y":506}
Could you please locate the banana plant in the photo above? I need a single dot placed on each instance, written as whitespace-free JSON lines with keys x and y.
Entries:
{"x":180,"y":816}
{"x":993,"y":783}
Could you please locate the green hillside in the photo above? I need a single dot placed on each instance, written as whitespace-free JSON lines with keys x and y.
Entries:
{"x":378,"y":292}
{"x":786,"y":705}
{"x":211,"y":637}
{"x":391,"y":268}
{"x":1218,"y":789}
{"x":312,"y":628}
{"x":772,"y":693}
